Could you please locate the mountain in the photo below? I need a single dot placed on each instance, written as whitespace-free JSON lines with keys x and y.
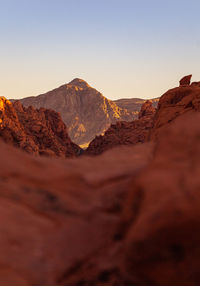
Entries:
{"x":85,"y":111}
{"x":39,"y":132}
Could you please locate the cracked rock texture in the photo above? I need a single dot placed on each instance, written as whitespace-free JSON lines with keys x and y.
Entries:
{"x":36,"y":131}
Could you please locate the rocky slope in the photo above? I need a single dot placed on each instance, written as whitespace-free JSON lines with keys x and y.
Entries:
{"x":39,"y":132}
{"x":128,"y":217}
{"x":85,"y":111}
{"x":125,"y":133}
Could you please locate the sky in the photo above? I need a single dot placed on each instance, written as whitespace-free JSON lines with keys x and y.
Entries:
{"x":123,"y":48}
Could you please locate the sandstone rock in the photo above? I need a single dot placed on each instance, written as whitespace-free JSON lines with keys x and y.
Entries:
{"x":57,"y":215}
{"x":125,"y":133}
{"x":146,"y":109}
{"x":162,"y":243}
{"x":157,"y":241}
{"x":172,"y":104}
{"x":186,"y":80}
{"x":35,"y":131}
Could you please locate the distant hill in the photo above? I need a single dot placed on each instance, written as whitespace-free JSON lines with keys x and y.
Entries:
{"x":85,"y":111}
{"x":134,"y":104}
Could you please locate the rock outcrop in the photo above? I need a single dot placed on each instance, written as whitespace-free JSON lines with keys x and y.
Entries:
{"x":128,"y":217}
{"x":185,"y":80}
{"x":39,"y":132}
{"x":125,"y":133}
{"x":85,"y":111}
{"x":173,"y":103}
{"x":147,"y":109}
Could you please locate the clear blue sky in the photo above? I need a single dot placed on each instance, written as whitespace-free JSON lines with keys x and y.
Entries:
{"x":124,"y":48}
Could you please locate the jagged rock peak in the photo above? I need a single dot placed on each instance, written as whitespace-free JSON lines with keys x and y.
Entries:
{"x":79,"y":83}
{"x":185,"y":80}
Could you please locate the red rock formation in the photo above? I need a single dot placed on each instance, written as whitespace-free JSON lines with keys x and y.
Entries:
{"x":147,"y":109}
{"x":162,"y":242}
{"x":125,"y":133}
{"x":185,"y":80}
{"x":173,"y":103}
{"x":35,"y":131}
{"x":128,"y":217}
{"x":58,"y":214}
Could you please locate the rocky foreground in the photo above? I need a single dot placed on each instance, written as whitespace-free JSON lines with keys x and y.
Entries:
{"x":129,"y":217}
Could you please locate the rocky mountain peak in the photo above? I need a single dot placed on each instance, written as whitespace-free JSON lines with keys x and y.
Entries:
{"x":77,"y":82}
{"x":85,"y":111}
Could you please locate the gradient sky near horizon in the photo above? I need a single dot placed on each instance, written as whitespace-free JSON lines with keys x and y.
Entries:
{"x":123,"y":48}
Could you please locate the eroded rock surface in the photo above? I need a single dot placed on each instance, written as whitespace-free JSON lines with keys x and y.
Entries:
{"x":125,"y":133}
{"x":39,"y":132}
{"x":173,"y":103}
{"x":128,"y":217}
{"x":162,"y":242}
{"x":58,"y":214}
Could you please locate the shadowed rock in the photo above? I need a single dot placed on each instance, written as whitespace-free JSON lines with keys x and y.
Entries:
{"x":185,"y":80}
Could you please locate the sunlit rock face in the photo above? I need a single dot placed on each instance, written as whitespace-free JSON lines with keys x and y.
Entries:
{"x":39,"y":132}
{"x":85,"y":111}
{"x":125,"y":133}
